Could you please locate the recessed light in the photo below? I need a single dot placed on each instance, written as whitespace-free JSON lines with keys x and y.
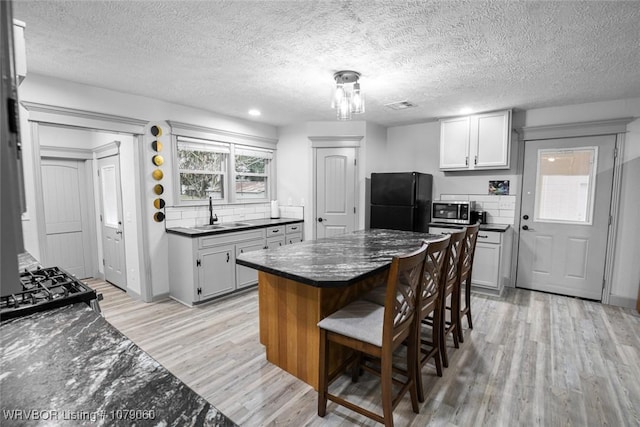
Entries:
{"x":254,"y":112}
{"x":466,"y":110}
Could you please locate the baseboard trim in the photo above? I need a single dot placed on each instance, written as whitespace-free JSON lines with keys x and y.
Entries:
{"x":160,"y":297}
{"x":625,"y":302}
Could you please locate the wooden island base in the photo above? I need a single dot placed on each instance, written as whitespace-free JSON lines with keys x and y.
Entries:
{"x":289,"y":313}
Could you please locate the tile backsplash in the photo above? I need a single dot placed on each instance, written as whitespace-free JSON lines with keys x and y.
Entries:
{"x":499,"y":209}
{"x":193,"y":216}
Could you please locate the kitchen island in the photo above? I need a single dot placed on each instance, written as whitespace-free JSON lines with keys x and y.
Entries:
{"x":300,"y":284}
{"x":69,"y":366}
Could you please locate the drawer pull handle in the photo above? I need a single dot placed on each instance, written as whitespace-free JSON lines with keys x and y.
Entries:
{"x":228,"y":257}
{"x":483,"y":237}
{"x":276,"y":230}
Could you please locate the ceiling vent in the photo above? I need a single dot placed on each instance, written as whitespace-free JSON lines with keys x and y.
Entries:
{"x":401,"y":105}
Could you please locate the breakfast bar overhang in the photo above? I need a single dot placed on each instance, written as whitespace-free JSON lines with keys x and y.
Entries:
{"x":300,"y":284}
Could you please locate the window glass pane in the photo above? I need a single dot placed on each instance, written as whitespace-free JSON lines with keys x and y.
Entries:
{"x":195,"y":160}
{"x":199,"y":186}
{"x":565,"y":185}
{"x":250,"y":164}
{"x":251,"y":187}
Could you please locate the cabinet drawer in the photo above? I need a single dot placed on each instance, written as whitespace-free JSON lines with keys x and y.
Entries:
{"x":489,"y":237}
{"x":293,"y":228}
{"x":221,"y":239}
{"x":275,"y":231}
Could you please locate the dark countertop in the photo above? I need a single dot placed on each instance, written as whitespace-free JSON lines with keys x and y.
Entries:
{"x":72,"y":364}
{"x":253,"y":225}
{"x":501,"y":228}
{"x":336,"y":261}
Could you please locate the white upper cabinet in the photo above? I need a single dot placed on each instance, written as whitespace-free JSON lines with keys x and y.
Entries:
{"x":481,"y":141}
{"x":20,"y":50}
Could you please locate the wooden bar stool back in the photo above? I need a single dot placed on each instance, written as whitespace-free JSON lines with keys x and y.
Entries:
{"x":451,"y":289}
{"x":376,"y":330}
{"x":466,"y":268}
{"x":432,"y":286}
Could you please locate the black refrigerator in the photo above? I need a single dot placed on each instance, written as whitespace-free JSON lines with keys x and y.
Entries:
{"x":401,"y":201}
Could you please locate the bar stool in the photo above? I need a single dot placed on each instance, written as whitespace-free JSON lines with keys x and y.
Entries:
{"x":375,"y":330}
{"x":466,"y":268}
{"x":430,"y":304}
{"x":451,"y":289}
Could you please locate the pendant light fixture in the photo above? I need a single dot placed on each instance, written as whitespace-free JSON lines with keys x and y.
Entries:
{"x":348,"y":99}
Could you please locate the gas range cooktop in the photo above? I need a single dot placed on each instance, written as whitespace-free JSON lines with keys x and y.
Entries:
{"x":45,"y":289}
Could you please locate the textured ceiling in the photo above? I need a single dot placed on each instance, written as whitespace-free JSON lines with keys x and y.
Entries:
{"x":280,"y":56}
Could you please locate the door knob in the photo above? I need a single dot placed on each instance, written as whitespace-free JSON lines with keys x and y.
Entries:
{"x":525,"y":227}
{"x":525,"y":217}
{"x":320,"y":219}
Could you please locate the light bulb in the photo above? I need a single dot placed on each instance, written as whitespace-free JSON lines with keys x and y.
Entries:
{"x":344,"y":109}
{"x":338,"y":96}
{"x":357,"y":101}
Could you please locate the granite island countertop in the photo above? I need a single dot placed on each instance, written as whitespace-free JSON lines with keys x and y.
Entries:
{"x":336,"y":261}
{"x":74,"y":368}
{"x":251,"y":224}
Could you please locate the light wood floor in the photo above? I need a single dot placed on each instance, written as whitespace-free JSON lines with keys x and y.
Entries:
{"x":531,"y":359}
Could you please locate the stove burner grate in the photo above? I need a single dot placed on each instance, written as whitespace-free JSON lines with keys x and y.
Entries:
{"x":45,"y":289}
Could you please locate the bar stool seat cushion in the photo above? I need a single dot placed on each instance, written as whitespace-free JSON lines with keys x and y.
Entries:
{"x":361,"y":320}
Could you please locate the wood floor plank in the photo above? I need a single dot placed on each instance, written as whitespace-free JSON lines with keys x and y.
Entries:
{"x":532,"y":359}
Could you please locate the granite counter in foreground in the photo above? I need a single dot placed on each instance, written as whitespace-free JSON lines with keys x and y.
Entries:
{"x":71,"y":367}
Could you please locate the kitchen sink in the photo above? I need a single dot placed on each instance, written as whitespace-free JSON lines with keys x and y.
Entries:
{"x":211,"y":227}
{"x":235,"y":224}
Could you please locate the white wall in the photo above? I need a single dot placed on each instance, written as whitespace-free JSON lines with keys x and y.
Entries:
{"x":294,"y":173}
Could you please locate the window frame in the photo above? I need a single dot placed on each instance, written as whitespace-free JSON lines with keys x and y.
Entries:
{"x":228,"y":173}
{"x":239,"y":150}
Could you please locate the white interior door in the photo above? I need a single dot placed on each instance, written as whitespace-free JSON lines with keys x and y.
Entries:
{"x":65,"y":215}
{"x":335,"y":191}
{"x":111,"y":221}
{"x":565,"y":215}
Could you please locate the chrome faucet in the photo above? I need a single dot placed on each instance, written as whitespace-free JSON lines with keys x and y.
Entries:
{"x":212,"y":218}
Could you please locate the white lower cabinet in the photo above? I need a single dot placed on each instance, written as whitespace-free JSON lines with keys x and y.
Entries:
{"x":215,"y":272}
{"x":202,"y":268}
{"x":293,"y":233}
{"x":491,"y":260}
{"x":486,"y":266}
{"x":246,"y":276}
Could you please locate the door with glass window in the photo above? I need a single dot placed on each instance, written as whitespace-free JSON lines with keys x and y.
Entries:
{"x":565,"y":215}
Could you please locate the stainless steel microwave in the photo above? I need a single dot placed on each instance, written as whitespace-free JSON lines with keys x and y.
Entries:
{"x":452,"y":212}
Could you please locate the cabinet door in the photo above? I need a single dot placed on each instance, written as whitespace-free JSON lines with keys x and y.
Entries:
{"x":275,"y":242}
{"x":246,"y":276}
{"x":492,"y":138}
{"x":486,"y":265}
{"x":216,"y":272}
{"x":294,"y":238}
{"x":454,"y":143}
